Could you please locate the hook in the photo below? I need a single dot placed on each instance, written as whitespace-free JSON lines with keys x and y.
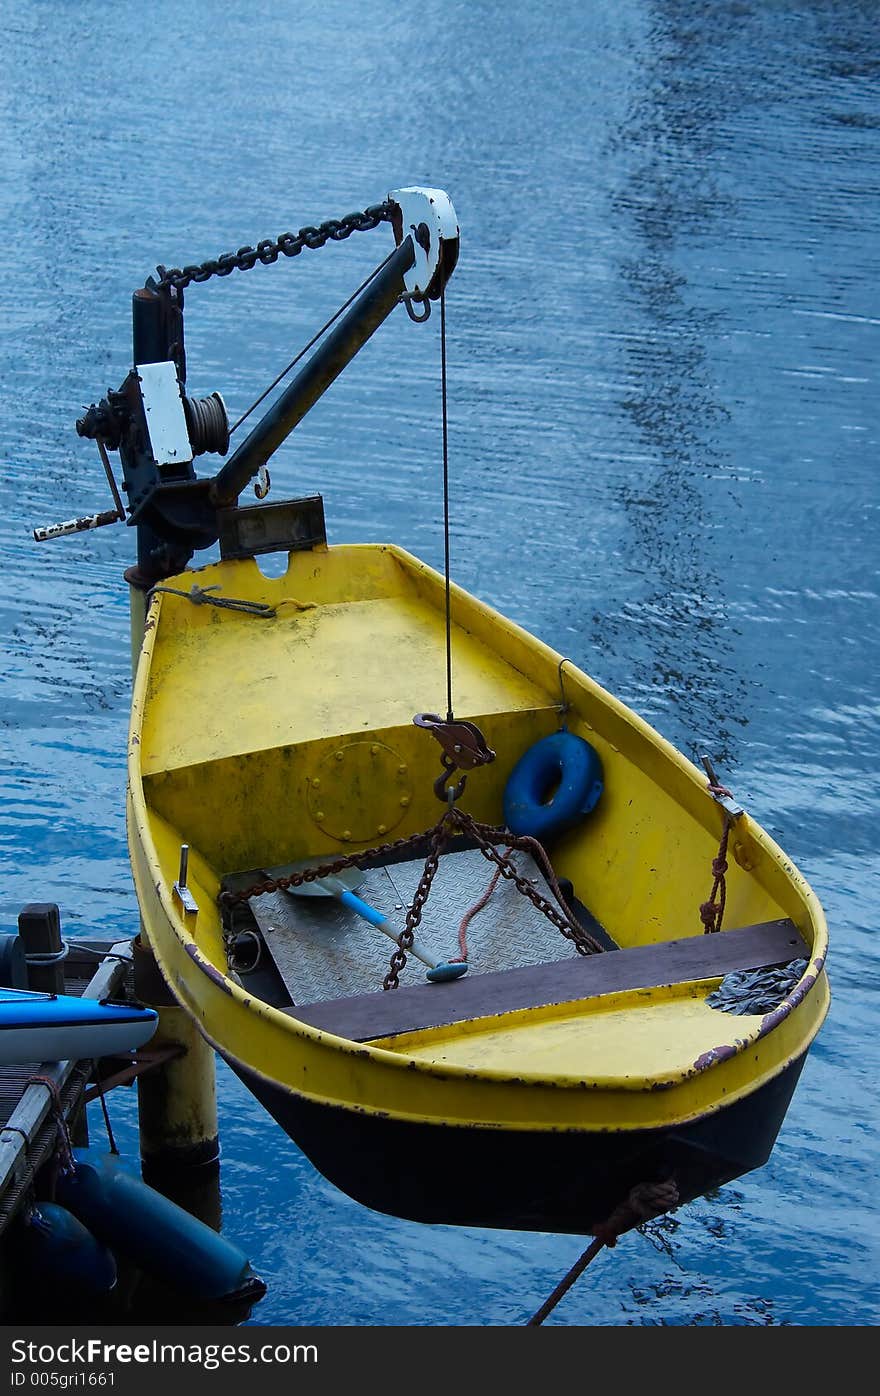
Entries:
{"x":409,"y":301}
{"x":448,"y":793}
{"x":463,"y":745}
{"x":564,"y":705}
{"x":263,"y":483}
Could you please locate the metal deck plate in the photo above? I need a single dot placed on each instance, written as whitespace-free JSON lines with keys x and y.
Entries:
{"x":323,"y":951}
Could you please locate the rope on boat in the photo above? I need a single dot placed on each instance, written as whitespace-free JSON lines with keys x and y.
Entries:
{"x":200,"y":596}
{"x":645,"y":1201}
{"x":564,"y":707}
{"x":712,"y":911}
{"x":102,"y":1096}
{"x":63,"y":1143}
{"x":474,"y":911}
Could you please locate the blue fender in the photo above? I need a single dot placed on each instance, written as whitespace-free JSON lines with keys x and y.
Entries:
{"x":553,"y":786}
{"x":161,"y":1238}
{"x":56,"y":1249}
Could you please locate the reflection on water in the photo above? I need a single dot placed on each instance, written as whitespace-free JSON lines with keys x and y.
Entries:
{"x":663,"y":433}
{"x":669,"y":194}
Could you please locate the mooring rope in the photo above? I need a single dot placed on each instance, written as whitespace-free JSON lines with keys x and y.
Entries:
{"x":48,"y":957}
{"x":14,"y":1129}
{"x":645,"y":1201}
{"x":105,"y":1112}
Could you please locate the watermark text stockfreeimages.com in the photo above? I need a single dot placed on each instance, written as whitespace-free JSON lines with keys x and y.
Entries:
{"x":89,"y":1353}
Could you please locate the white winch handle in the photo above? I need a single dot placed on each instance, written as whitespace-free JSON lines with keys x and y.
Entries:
{"x":436,"y":251}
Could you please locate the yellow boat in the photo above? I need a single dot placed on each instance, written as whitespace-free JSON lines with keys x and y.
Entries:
{"x":645,"y":968}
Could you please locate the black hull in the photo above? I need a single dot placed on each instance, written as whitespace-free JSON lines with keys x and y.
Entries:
{"x":517,"y":1180}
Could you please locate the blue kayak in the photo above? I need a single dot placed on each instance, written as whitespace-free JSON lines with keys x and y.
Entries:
{"x":38,"y":1027}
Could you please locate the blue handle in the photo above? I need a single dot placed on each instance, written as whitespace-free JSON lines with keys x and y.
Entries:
{"x":438,"y":970}
{"x":361,"y":908}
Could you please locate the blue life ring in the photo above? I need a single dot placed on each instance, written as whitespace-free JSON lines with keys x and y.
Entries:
{"x":552,"y":787}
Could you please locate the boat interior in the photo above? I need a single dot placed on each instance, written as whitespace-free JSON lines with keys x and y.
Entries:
{"x":324,"y":760}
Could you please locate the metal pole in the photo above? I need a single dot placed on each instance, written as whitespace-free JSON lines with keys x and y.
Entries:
{"x":325,"y":365}
{"x":157,"y":335}
{"x":39,"y":927}
{"x":177,"y":1101}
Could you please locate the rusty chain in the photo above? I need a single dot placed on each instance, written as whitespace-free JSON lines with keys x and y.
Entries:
{"x":414,"y":914}
{"x":485,"y":836}
{"x":268,"y":250}
{"x":232,"y":897}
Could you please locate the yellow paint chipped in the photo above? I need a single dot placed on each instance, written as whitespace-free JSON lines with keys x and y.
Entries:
{"x":650,"y":1036}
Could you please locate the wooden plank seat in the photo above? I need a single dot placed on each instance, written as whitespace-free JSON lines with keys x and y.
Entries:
{"x":365,"y":1017}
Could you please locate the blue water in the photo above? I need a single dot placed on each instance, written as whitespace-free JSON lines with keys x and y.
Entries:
{"x":664,"y":337}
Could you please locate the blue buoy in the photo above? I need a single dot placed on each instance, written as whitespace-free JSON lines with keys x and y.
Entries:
{"x":553,"y":786}
{"x":161,"y":1238}
{"x":56,"y":1249}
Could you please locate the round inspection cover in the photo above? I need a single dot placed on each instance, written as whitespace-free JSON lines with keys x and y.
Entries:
{"x":359,"y":791}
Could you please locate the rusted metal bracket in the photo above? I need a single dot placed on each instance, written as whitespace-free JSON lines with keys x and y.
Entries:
{"x":138,"y":1064}
{"x":180,"y":888}
{"x":720,"y":794}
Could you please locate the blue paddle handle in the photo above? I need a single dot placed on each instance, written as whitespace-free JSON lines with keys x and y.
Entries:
{"x":437,"y":969}
{"x":375,"y":918}
{"x":369,"y":913}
